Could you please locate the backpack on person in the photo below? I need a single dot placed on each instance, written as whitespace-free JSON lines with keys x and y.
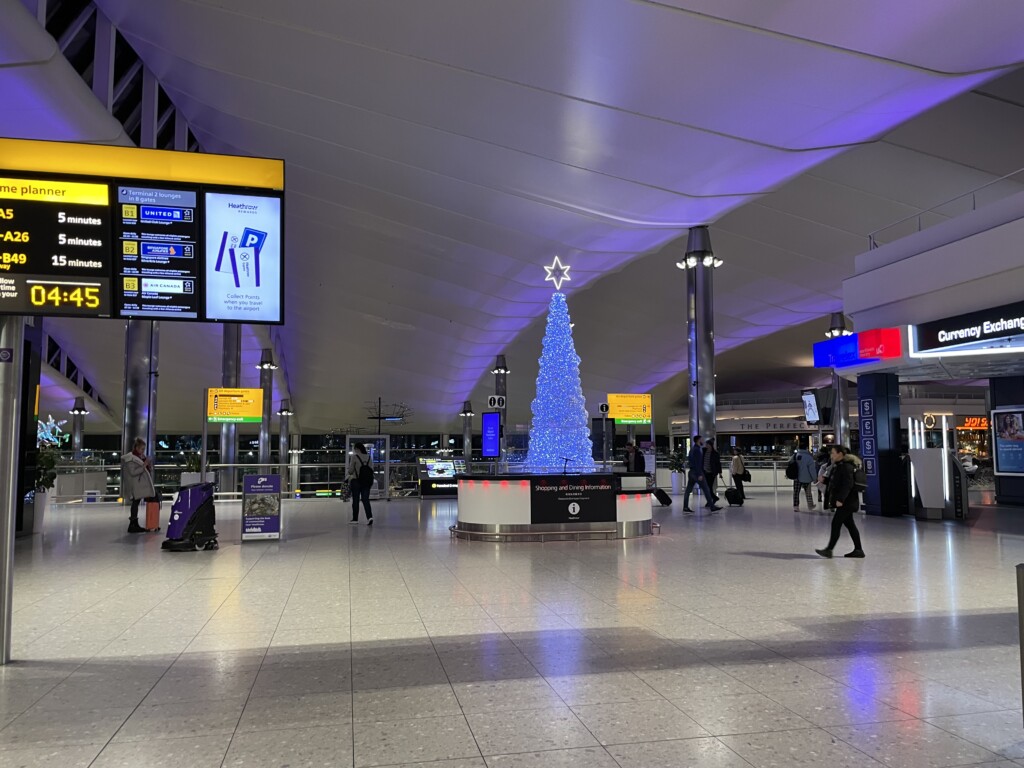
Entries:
{"x":365,"y":475}
{"x":860,"y":480}
{"x":793,"y":469}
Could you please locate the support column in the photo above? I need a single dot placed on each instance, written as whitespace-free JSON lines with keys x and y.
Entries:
{"x":500,"y":390}
{"x":878,"y":404}
{"x":467,"y":433}
{"x":78,"y":414}
{"x":141,"y":372}
{"x":841,"y":411}
{"x":12,"y":343}
{"x":294,"y":458}
{"x":267,"y":385}
{"x":283,"y":437}
{"x":230,"y":366}
{"x":700,"y":331}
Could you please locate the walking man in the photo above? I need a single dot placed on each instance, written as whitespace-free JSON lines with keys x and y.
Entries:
{"x":695,"y":463}
{"x":806,"y":475}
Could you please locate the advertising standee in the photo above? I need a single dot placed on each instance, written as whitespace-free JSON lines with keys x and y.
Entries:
{"x":261,"y":507}
{"x":1008,"y":439}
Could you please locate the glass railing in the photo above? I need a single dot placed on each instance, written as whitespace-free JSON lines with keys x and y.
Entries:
{"x":98,"y":481}
{"x":997,"y":189}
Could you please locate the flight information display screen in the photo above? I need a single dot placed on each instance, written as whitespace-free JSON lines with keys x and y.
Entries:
{"x":103,"y":231}
{"x":54,"y":247}
{"x":158,"y":260}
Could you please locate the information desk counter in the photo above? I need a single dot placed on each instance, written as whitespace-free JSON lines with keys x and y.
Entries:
{"x":585,"y":505}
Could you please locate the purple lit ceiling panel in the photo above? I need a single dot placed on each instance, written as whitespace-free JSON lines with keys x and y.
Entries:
{"x":438,"y":156}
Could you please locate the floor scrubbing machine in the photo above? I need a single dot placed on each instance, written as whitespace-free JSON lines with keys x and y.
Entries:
{"x":193,"y":518}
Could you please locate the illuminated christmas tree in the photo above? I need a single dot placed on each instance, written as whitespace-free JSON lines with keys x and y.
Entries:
{"x":561,"y":427}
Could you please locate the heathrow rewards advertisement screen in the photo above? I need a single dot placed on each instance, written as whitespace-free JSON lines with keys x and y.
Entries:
{"x":243,"y":258}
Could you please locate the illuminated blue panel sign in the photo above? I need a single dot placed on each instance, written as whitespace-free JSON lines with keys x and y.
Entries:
{"x":491,"y":434}
{"x":859,"y":348}
{"x":837,"y":353}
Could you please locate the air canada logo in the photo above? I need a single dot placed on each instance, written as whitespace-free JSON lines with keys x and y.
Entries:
{"x":240,"y":255}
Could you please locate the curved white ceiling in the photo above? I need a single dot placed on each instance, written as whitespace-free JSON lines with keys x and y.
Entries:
{"x":438,"y":154}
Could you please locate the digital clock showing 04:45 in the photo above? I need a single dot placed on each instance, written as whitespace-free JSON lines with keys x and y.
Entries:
{"x":64,"y":294}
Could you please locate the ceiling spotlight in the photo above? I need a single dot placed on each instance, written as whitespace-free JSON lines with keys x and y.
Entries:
{"x":709,"y":260}
{"x":500,"y":366}
{"x":717,"y":262}
{"x":266,"y":362}
{"x":837,"y":326}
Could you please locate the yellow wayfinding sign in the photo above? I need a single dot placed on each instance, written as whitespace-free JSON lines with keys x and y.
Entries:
{"x":630,"y":409}
{"x":234,"y":405}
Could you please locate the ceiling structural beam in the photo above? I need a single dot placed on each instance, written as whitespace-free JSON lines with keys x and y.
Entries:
{"x":103,"y":62}
{"x":126,"y":81}
{"x":180,"y":132}
{"x":75,"y":27}
{"x":164,"y":118}
{"x":74,"y":390}
{"x":150,"y":100}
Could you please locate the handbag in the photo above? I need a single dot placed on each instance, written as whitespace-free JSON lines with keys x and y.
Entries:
{"x":745,"y":477}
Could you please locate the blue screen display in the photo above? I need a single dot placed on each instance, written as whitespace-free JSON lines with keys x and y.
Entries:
{"x":491,"y":434}
{"x":1008,"y":431}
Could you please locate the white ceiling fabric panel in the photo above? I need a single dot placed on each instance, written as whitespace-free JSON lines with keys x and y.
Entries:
{"x":439,"y":154}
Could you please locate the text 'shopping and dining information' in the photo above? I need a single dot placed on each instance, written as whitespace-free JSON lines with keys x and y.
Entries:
{"x":158,"y":258}
{"x":54,"y":254}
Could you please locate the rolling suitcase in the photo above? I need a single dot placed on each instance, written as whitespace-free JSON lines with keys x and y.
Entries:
{"x":153,"y":515}
{"x":662,"y":497}
{"x":732,"y":495}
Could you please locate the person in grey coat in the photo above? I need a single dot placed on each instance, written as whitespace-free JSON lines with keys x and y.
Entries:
{"x":137,"y":482}
{"x":806,"y":476}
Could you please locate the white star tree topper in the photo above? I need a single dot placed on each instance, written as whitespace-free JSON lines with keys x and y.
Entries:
{"x":557,"y":273}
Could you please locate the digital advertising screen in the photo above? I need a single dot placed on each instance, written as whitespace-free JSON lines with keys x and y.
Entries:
{"x":243,"y":258}
{"x":439,"y":467}
{"x":54,"y":247}
{"x":1008,"y":441}
{"x":491,"y":435}
{"x":811,"y":413}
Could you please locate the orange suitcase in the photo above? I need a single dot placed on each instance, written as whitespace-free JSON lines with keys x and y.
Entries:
{"x":153,"y":515}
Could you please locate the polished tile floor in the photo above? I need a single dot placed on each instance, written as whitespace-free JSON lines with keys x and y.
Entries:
{"x":723,"y":642}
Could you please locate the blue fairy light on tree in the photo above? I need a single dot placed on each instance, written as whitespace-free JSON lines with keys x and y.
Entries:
{"x":560,"y":429}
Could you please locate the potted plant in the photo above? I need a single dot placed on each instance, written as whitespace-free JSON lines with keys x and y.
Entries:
{"x":677,"y":463}
{"x":47,"y":456}
{"x":191,"y":475}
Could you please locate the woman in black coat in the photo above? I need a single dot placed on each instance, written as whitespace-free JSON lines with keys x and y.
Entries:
{"x":842,"y":495}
